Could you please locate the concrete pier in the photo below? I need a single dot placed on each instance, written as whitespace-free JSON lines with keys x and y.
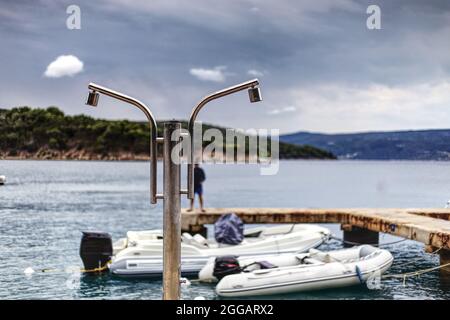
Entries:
{"x":354,"y":235}
{"x":193,"y":229}
{"x":429,"y":226}
{"x":444,"y":258}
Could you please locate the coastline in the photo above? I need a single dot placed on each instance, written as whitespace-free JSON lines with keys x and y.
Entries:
{"x":74,"y":155}
{"x":52,"y":155}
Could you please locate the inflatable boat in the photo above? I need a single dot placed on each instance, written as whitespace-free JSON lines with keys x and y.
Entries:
{"x":140,"y":253}
{"x":290,"y":273}
{"x":2,"y":180}
{"x":144,"y":256}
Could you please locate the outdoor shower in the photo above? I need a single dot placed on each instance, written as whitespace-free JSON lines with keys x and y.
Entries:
{"x":254,"y":94}
{"x":92,"y":100}
{"x":172,"y":191}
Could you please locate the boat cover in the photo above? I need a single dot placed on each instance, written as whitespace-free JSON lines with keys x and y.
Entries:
{"x":229,"y":229}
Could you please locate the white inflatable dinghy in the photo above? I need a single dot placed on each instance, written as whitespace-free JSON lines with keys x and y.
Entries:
{"x":290,"y":273}
{"x":140,"y":254}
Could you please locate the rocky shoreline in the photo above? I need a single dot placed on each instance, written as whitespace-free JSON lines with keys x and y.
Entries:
{"x":82,"y":155}
{"x":48,"y":154}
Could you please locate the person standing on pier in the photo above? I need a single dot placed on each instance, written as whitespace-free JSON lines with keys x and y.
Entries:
{"x":199,"y":178}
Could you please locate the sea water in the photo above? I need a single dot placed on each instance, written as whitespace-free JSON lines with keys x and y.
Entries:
{"x":46,"y":204}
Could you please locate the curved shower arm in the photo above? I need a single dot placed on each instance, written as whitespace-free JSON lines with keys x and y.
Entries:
{"x":227,"y":91}
{"x":153,"y":130}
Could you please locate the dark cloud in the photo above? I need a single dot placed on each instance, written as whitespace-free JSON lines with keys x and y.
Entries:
{"x":318,"y":59}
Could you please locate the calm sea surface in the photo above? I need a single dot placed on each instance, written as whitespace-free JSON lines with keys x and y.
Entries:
{"x":46,"y":204}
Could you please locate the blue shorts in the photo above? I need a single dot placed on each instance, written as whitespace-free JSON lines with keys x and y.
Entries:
{"x":198,"y":190}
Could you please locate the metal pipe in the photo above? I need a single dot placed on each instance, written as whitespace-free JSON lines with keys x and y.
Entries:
{"x":172,"y":171}
{"x":239,"y":87}
{"x":172,"y":215}
{"x":153,"y":128}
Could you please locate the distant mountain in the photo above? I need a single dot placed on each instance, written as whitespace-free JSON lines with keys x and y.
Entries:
{"x":395,"y":145}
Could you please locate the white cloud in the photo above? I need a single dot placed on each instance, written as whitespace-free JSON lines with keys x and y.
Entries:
{"x":66,"y":65}
{"x":283,"y":110}
{"x":343,"y":108}
{"x":255,"y":73}
{"x":216,"y":75}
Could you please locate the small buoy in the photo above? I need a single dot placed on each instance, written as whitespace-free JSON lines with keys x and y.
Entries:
{"x":199,"y":298}
{"x":28,"y":271}
{"x":184,"y":282}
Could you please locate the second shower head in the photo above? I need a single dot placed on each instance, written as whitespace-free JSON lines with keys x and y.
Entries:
{"x":92,"y":99}
{"x":254,"y":94}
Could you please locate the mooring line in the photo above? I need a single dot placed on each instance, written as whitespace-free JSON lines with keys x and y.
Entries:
{"x":48,"y":270}
{"x":372,"y":244}
{"x":417,"y":273}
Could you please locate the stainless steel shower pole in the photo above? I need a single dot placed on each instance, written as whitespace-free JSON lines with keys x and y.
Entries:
{"x":172,"y":213}
{"x":254,"y":95}
{"x":93,"y":101}
{"x":172,"y":170}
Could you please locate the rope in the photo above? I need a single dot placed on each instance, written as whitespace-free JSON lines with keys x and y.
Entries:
{"x":290,"y":229}
{"x":99,"y":269}
{"x":414,"y":273}
{"x":405,"y":275}
{"x":372,"y":244}
{"x":417,"y":273}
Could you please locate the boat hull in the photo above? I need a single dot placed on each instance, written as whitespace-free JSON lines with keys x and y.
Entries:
{"x":286,"y":280}
{"x":146,"y":260}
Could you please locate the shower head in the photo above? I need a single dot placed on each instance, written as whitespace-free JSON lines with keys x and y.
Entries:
{"x":254,"y":94}
{"x":92,"y":99}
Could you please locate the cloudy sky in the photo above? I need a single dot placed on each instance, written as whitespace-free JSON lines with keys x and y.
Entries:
{"x":320,"y":67}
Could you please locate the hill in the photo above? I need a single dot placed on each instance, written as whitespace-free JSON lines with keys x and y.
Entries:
{"x":27,"y":133}
{"x":395,"y":145}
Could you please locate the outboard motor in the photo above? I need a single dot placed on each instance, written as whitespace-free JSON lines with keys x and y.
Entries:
{"x":226,"y":265}
{"x":95,"y":249}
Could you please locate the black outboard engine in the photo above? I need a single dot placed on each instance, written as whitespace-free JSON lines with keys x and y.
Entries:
{"x":225,"y":266}
{"x":95,"y":249}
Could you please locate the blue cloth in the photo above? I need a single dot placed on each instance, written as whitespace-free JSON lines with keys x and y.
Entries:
{"x":198,"y":189}
{"x":229,"y":229}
